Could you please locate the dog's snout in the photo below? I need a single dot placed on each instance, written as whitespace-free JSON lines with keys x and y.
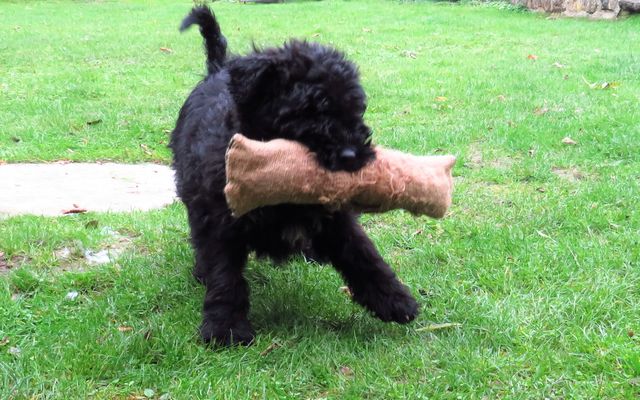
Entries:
{"x":348,"y":154}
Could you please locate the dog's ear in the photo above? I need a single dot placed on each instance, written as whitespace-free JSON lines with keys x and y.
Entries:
{"x":251,"y":79}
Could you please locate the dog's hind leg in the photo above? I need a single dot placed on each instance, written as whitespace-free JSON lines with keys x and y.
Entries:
{"x":372,"y":282}
{"x":220,"y":264}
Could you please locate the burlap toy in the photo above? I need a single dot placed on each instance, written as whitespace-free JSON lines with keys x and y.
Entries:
{"x":281,"y":171}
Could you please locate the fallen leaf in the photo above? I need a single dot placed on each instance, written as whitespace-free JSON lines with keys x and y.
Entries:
{"x":145,"y":149}
{"x":532,"y":57}
{"x":166,"y":50}
{"x":541,"y":189}
{"x":124,"y":328}
{"x":270,"y":348}
{"x":569,"y":141}
{"x":315,"y":35}
{"x":441,"y":98}
{"x":544,"y":235}
{"x":4,"y":341}
{"x":630,"y":333}
{"x":558,"y":65}
{"x":94,"y":122}
{"x":541,"y":110}
{"x":437,"y":327}
{"x":75,"y":210}
{"x":410,"y":54}
{"x":346,"y":371}
{"x":71,"y":296}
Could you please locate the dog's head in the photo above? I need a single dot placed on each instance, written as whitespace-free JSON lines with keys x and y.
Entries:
{"x":305,"y":92}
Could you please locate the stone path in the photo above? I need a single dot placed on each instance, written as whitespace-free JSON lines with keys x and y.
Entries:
{"x":62,"y":188}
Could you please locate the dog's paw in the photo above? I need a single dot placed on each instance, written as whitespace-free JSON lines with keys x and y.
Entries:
{"x":227,"y":333}
{"x":390,"y":304}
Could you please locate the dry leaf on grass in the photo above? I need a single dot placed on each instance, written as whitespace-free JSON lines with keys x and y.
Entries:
{"x":410,"y":54}
{"x":569,"y":141}
{"x":145,"y":149}
{"x":75,"y":210}
{"x":544,"y":235}
{"x":71,"y":296}
{"x":437,"y":327}
{"x":166,"y":50}
{"x":4,"y":341}
{"x":346,"y":371}
{"x":532,"y":57}
{"x":541,"y":110}
{"x":124,"y":328}
{"x":270,"y":348}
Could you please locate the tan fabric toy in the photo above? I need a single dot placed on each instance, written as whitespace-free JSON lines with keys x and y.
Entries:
{"x":281,"y":171}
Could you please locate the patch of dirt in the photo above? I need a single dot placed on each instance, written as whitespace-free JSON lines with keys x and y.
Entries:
{"x":476,"y":159}
{"x":7,"y":264}
{"x":502,"y":163}
{"x":569,"y":174}
{"x":76,"y":258}
{"x":4,"y":265}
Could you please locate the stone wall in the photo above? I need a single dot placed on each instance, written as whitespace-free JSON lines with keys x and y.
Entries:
{"x":608,"y":9}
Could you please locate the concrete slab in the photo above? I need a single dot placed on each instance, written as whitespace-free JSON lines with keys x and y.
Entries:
{"x":59,"y":188}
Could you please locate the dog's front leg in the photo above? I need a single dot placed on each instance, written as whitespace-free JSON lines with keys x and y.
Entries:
{"x":220,"y":265}
{"x":372,"y":282}
{"x":226,"y":302}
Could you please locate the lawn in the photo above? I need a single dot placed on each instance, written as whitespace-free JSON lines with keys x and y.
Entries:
{"x":536,"y":269}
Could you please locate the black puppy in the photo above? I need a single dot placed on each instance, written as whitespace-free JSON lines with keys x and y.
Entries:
{"x":304,"y":92}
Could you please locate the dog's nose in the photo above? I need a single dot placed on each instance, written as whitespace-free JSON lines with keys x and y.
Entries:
{"x":348,"y":154}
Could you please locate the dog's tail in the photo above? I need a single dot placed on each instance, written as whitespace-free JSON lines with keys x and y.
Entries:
{"x":214,"y":42}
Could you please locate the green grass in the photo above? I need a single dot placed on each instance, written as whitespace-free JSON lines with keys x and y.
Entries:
{"x":538,"y":260}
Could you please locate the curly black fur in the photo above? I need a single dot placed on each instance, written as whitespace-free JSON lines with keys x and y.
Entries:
{"x":301,"y":91}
